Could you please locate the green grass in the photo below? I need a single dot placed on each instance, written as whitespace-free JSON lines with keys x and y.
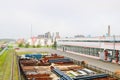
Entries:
{"x":10,"y":46}
{"x":5,"y":65}
{"x":3,"y":57}
{"x":23,"y":46}
{"x":0,"y":49}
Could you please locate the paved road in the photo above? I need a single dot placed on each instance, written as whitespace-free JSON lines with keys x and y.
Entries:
{"x":104,"y":65}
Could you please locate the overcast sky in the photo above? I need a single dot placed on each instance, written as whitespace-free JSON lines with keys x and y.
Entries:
{"x":69,"y":17}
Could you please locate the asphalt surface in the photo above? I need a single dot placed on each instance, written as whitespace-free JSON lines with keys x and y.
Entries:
{"x":76,"y":56}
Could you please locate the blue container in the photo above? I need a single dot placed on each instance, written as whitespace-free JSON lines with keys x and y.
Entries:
{"x":36,"y":56}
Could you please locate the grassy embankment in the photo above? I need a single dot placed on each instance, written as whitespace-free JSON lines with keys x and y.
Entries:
{"x":5,"y":65}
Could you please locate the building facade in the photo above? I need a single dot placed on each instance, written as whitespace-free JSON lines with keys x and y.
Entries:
{"x":91,"y":46}
{"x":40,"y":41}
{"x":44,"y":39}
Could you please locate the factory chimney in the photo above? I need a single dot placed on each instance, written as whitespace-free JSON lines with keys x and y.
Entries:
{"x":108,"y":30}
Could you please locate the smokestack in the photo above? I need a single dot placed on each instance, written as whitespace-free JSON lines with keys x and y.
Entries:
{"x":108,"y":30}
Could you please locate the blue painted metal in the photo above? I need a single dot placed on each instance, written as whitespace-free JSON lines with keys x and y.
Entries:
{"x":61,"y":74}
{"x":36,"y":56}
{"x":59,"y":60}
{"x":91,"y":77}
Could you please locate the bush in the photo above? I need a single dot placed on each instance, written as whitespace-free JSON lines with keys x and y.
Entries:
{"x":33,"y":46}
{"x":54,"y":45}
{"x":38,"y":46}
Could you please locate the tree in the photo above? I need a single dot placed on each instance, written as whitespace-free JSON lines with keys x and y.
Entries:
{"x":20,"y":45}
{"x":55,"y":45}
{"x":27,"y":45}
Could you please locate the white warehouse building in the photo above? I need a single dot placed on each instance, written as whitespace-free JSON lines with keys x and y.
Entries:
{"x":39,"y":41}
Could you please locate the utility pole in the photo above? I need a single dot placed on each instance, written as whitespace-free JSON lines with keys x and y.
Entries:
{"x":31,"y":31}
{"x":100,"y":44}
{"x":114,"y":42}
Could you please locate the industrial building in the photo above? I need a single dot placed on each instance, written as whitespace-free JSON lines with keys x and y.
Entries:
{"x":44,"y":39}
{"x":108,"y":47}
